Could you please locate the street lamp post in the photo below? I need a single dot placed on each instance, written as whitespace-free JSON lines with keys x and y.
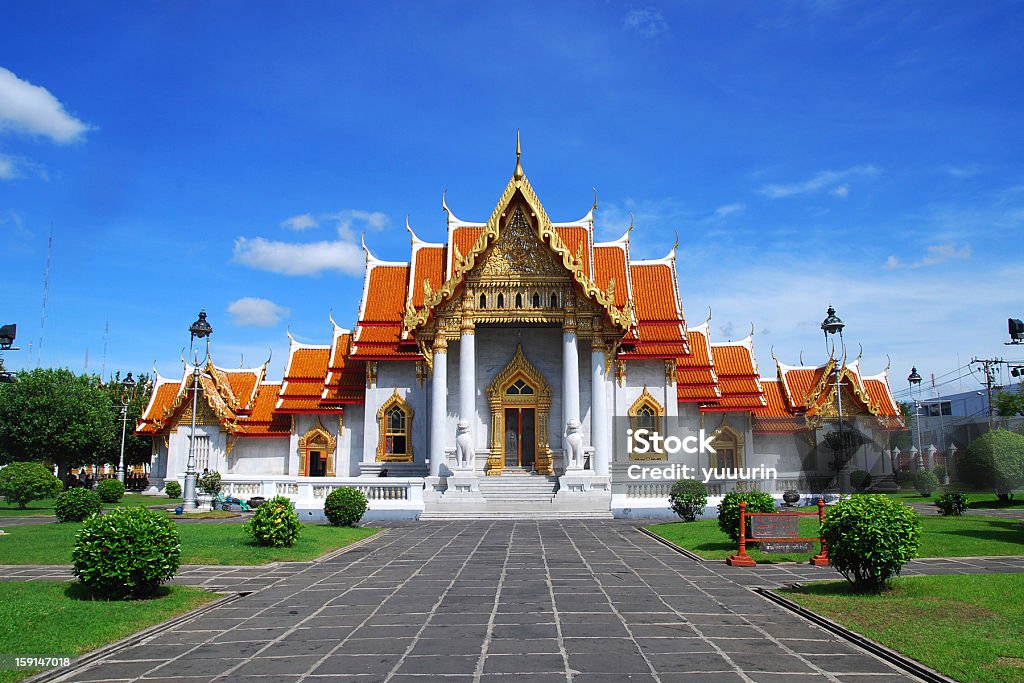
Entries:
{"x":202,"y":329}
{"x":915,"y":381}
{"x":127,"y":396}
{"x":831,"y":326}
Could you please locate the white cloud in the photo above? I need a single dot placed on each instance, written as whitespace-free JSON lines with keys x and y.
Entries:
{"x":32,"y":109}
{"x":935,"y":254}
{"x":966,"y":171}
{"x":19,"y":167}
{"x":729,"y":209}
{"x":288,"y":258}
{"x":647,"y":22}
{"x":349,"y":219}
{"x":303,"y":221}
{"x":252,"y":311}
{"x":830,"y":180}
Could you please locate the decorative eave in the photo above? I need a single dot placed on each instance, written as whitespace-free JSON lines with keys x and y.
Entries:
{"x":621,"y":318}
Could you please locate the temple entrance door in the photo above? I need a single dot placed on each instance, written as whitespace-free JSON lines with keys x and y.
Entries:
{"x":317,"y":464}
{"x":520,"y":437}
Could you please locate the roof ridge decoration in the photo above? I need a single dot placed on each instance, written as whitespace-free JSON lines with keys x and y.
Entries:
{"x":547,"y":234}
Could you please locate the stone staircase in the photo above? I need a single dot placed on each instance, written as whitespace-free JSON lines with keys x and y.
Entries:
{"x":519,"y":495}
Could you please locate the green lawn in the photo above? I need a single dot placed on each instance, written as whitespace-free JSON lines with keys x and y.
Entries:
{"x":200,"y":544}
{"x":45,"y":507}
{"x":50,"y":619}
{"x":981,"y":500}
{"x":942,"y":537}
{"x":970,"y":628}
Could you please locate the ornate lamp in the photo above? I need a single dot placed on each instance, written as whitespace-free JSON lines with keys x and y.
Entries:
{"x":202,"y":329}
{"x":128,"y":386}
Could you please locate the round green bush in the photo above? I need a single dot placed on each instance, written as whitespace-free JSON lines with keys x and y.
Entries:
{"x":126,"y":553}
{"x":729,"y":510}
{"x":688,"y":498}
{"x":172,"y":489}
{"x":994,"y":461}
{"x":110,"y":490}
{"x":274,"y":523}
{"x":210,"y":483}
{"x":925,"y":482}
{"x":23,"y":482}
{"x":76,"y":504}
{"x":869,"y":539}
{"x":860,"y":479}
{"x":952,"y":502}
{"x":345,"y":506}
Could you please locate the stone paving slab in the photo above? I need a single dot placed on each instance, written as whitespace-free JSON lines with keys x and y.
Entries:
{"x":495,"y":601}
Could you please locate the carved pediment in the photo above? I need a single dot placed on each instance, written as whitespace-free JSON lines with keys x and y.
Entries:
{"x":519,"y":252}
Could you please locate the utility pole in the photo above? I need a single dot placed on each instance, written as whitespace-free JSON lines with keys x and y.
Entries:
{"x":987,"y":365}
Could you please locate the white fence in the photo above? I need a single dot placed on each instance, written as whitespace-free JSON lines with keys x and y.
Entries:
{"x":392,"y":494}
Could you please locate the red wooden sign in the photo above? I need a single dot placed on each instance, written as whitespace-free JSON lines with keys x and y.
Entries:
{"x":776,"y":526}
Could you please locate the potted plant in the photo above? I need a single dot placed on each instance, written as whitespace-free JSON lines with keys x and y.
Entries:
{"x":791,"y":497}
{"x":210,"y":484}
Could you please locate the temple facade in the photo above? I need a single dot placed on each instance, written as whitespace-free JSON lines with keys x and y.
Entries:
{"x":508,"y":369}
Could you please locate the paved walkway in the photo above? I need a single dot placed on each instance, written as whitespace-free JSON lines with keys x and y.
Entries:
{"x":502,"y":601}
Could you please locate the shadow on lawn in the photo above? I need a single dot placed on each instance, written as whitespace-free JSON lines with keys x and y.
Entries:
{"x":76,"y":591}
{"x":1007,"y":530}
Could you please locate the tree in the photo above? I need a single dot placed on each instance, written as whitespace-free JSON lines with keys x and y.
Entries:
{"x":994,"y":460}
{"x":23,"y":482}
{"x":137,"y":449}
{"x":54,"y":416}
{"x":1010,"y":403}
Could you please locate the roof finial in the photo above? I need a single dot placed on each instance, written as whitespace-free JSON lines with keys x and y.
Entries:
{"x":630,"y":228}
{"x":676,"y":245}
{"x":594,"y":207}
{"x":801,"y":356}
{"x":269,"y":356}
{"x":708,"y":321}
{"x":888,"y":364}
{"x":241,"y":360}
{"x":519,"y":152}
{"x":330,"y":316}
{"x":288,"y":331}
{"x":751,"y":330}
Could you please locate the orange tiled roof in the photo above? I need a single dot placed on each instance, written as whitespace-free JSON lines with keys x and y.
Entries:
{"x":737,"y":375}
{"x":659,"y":319}
{"x":775,"y":416}
{"x":264,"y":420}
{"x":161,"y":400}
{"x":577,"y":241}
{"x":610,"y":262}
{"x":379,"y":331}
{"x":429,"y":265}
{"x":879,"y":392}
{"x":346,"y":377}
{"x":696,"y":380}
{"x":303,"y":379}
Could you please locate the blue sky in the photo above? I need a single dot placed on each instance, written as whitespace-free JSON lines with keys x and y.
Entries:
{"x":193,"y":155}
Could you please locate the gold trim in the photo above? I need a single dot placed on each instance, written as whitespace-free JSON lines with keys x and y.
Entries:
{"x":394,"y":400}
{"x":519,"y":368}
{"x":317,"y":434}
{"x":545,"y":231}
{"x":647,"y":399}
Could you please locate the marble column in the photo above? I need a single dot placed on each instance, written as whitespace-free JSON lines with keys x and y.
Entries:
{"x":599,"y":410}
{"x":438,"y":405}
{"x":467,"y":380}
{"x":570,"y":374}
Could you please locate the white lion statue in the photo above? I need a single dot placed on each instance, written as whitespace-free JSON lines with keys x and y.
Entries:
{"x":573,"y":446}
{"x":463,"y":445}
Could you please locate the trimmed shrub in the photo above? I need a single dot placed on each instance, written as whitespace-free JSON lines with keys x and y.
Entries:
{"x":870,"y":538}
{"x":729,"y":510}
{"x":994,"y":461}
{"x":210,"y":483}
{"x":952,"y":502}
{"x":126,"y":553}
{"x":110,"y":490}
{"x":860,"y":479}
{"x":688,"y":499}
{"x":940,"y":472}
{"x":274,"y":523}
{"x":76,"y":504}
{"x":172,"y":489}
{"x":23,"y":482}
{"x":925,"y":482}
{"x":345,"y":506}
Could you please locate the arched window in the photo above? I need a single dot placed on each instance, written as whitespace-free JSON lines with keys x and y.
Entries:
{"x":728,"y":448}
{"x":483,"y":301}
{"x":395,"y":419}
{"x":316,"y":452}
{"x":646,"y":413}
{"x":554,"y":300}
{"x":501,"y":301}
{"x":536,"y":300}
{"x":519,"y":300}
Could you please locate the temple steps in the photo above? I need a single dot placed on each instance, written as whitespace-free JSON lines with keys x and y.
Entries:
{"x":520,"y":496}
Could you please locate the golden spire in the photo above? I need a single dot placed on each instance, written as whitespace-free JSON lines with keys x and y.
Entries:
{"x":518,"y":175}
